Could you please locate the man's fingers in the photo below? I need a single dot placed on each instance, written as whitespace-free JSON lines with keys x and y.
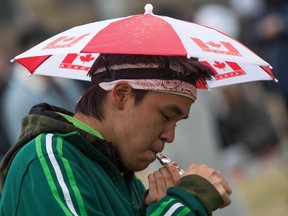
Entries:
{"x":152,"y":183}
{"x":168,"y":179}
{"x":157,"y":187}
{"x":160,"y":183}
{"x":226,"y":200}
{"x":193,"y":168}
{"x":227,"y":188}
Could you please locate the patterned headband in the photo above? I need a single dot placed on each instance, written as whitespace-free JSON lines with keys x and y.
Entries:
{"x":149,"y":76}
{"x":167,"y":86}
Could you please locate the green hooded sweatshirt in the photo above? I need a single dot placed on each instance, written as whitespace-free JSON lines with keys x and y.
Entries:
{"x":60,"y":166}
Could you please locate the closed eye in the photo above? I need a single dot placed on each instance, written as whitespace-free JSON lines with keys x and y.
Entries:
{"x":165,"y":117}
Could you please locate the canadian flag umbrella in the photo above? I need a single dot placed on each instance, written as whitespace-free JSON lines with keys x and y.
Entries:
{"x":71,"y":53}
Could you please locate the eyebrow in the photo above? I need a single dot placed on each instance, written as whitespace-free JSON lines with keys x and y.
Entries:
{"x":176,"y":110}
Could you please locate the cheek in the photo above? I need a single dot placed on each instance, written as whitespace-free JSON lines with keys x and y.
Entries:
{"x":148,"y":126}
{"x":141,"y":127}
{"x":144,"y":133}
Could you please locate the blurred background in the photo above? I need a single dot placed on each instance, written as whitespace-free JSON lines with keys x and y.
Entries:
{"x":240,"y":130}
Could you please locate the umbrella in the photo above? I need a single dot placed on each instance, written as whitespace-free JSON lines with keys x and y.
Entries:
{"x":71,"y":53}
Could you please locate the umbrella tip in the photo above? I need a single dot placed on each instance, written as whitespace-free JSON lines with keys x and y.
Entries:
{"x":276,"y":80}
{"x":148,"y":9}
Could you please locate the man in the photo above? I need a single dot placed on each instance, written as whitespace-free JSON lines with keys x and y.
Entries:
{"x":84,"y":163}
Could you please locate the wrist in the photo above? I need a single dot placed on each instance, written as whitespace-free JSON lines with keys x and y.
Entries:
{"x":203,"y":190}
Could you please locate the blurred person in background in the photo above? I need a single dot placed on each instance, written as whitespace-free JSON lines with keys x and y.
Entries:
{"x":4,"y":142}
{"x":269,"y":35}
{"x":246,"y":127}
{"x":23,"y":91}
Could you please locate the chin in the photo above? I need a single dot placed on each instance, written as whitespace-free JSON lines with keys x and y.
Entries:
{"x":137,"y":169}
{"x":141,"y":166}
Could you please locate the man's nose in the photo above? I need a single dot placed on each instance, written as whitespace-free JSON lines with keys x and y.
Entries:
{"x":168,"y":135}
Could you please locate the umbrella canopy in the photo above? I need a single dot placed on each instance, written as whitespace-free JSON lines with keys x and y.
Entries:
{"x":71,"y":53}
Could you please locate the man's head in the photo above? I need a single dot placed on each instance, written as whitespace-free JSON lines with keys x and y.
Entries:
{"x":169,"y":74}
{"x":136,"y":101}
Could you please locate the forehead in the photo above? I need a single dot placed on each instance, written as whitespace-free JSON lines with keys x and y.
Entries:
{"x":178,"y":104}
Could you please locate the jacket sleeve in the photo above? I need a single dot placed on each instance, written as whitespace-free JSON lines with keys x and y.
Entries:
{"x":50,"y":193}
{"x":203,"y":190}
{"x":42,"y":182}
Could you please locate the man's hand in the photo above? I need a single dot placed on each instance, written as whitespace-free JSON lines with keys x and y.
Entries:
{"x":160,"y":181}
{"x":169,"y":176}
{"x":214,"y":177}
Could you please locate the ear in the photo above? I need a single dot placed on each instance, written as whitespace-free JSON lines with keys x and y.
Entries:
{"x":121,"y":92}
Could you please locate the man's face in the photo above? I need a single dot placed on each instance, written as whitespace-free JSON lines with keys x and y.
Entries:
{"x":142,"y":130}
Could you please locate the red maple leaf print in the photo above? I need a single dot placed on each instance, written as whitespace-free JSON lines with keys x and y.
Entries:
{"x":217,"y":45}
{"x":220,"y":65}
{"x":87,"y":58}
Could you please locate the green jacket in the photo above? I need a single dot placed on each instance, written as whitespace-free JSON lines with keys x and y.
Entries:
{"x":59,"y":169}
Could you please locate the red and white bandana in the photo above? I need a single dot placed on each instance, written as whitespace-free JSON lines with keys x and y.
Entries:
{"x":167,"y":86}
{"x":172,"y":86}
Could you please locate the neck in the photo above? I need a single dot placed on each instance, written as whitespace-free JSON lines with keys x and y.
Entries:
{"x":89,"y":120}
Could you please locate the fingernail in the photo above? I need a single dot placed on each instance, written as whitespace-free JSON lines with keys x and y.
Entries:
{"x":170,"y":164}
